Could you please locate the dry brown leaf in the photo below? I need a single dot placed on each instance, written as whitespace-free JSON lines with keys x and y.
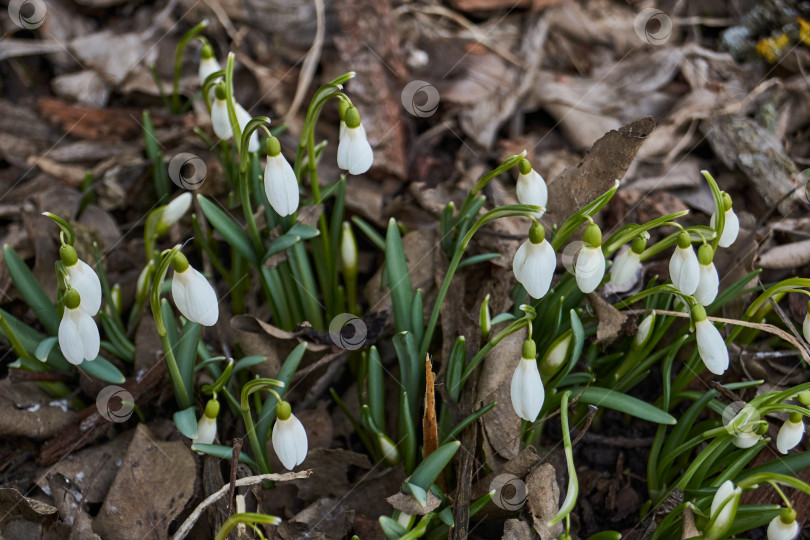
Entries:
{"x":543,"y":498}
{"x":408,"y":504}
{"x":430,"y":428}
{"x":70,"y":502}
{"x":611,"y":320}
{"x":14,"y":505}
{"x":515,"y":529}
{"x":786,"y":256}
{"x":26,"y":411}
{"x":151,"y":489}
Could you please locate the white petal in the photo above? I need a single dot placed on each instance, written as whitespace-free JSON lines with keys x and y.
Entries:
{"x":206,"y":430}
{"x":290,"y":442}
{"x":643,"y":331}
{"x":176,"y":209}
{"x":280,"y":185}
{"x":519,"y":260}
{"x":624,"y":267}
{"x":354,"y":151}
{"x":708,"y":284}
{"x":207,"y":67}
{"x":70,"y":340}
{"x":589,"y":269}
{"x":537,"y":269}
{"x":84,"y":279}
{"x":242,"y":118}
{"x":777,"y":530}
{"x":731,"y":228}
{"x":720,"y":495}
{"x":790,"y":435}
{"x":531,"y":189}
{"x":88,"y":331}
{"x":684,"y":270}
{"x":220,"y":121}
{"x":711,"y":347}
{"x":746,"y":439}
{"x":527,"y":390}
{"x":195,"y":297}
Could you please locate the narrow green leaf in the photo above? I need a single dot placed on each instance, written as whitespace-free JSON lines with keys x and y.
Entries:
{"x":376,"y":397}
{"x":229,"y":229}
{"x":431,"y":467}
{"x":31,"y":291}
{"x":407,"y":434}
{"x":604,"y":397}
{"x":186,"y":422}
{"x":467,"y":421}
{"x":391,"y":528}
{"x":102,"y":369}
{"x":247,"y":362}
{"x":455,"y":367}
{"x":223,"y":452}
{"x":399,"y":281}
{"x":185,"y":352}
{"x":44,"y":348}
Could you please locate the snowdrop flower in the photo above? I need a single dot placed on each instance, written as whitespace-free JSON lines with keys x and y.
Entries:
{"x":531,"y":188}
{"x":791,"y":433}
{"x":242,"y":118}
{"x":590,"y":266}
{"x":280,"y":183}
{"x":207,"y":424}
{"x":348,"y":249}
{"x":534,"y":262}
{"x":731,"y":227}
{"x":684,"y":270}
{"x":389,"y":449}
{"x":784,"y":526}
{"x":711,"y":347}
{"x":627,"y":262}
{"x":174,"y":211}
{"x":289,"y":437}
{"x":193,"y":295}
{"x":708,"y":281}
{"x":78,"y":333}
{"x":527,"y":387}
{"x":722,"y":515}
{"x":208,"y":63}
{"x":746,"y":439}
{"x":82,"y":279}
{"x":354,"y":151}
{"x":806,"y":324}
{"x":219,"y":114}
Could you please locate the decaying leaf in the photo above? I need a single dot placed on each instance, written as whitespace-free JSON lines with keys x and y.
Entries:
{"x":543,"y":498}
{"x":14,"y":505}
{"x":408,"y":504}
{"x":786,"y":256}
{"x":611,"y":320}
{"x":155,"y":482}
{"x":515,"y":529}
{"x":26,"y":411}
{"x":430,"y":428}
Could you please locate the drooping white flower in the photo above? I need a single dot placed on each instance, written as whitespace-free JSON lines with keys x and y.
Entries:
{"x":175,"y":210}
{"x":555,"y":355}
{"x":242,"y":118}
{"x":627,"y":262}
{"x":207,"y":424}
{"x":208,"y":63}
{"x":746,"y":439}
{"x":289,"y":437}
{"x":193,"y":294}
{"x":784,"y":526}
{"x":711,"y":346}
{"x":644,"y":330}
{"x":731,"y":226}
{"x":589,"y":268}
{"x":527,"y":389}
{"x":790,"y":434}
{"x":684,"y":269}
{"x":531,"y":188}
{"x":709,"y":281}
{"x":280,"y":183}
{"x":78,"y":334}
{"x":219,"y":114}
{"x":534,"y":263}
{"x":83,"y":279}
{"x":354,"y":152}
{"x":724,"y":517}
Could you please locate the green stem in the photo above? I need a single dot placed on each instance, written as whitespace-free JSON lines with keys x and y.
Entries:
{"x":178,"y":62}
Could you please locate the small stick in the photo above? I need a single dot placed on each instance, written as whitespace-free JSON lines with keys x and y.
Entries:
{"x":237,"y":448}
{"x":185,"y":528}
